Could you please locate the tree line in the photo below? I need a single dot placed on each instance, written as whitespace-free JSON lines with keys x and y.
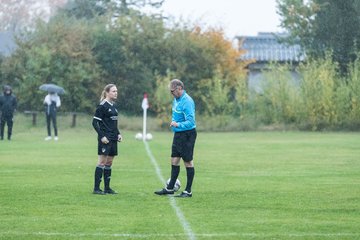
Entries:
{"x":84,"y":47}
{"x":89,"y":44}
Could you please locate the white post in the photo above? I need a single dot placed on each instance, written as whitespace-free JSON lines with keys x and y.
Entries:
{"x":144,"y":124}
{"x":145,"y":106}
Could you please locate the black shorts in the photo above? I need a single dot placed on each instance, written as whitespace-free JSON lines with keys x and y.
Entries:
{"x":183,"y":145}
{"x":109,"y":149}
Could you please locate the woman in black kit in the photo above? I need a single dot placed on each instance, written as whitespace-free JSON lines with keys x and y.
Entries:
{"x":105,"y":123}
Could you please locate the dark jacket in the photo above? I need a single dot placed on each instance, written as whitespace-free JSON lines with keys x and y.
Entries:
{"x":8,"y":105}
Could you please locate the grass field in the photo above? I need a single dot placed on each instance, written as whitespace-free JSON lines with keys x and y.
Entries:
{"x":248,"y":185}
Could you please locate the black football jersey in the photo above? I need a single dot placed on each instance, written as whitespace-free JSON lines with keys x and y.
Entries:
{"x":105,"y":120}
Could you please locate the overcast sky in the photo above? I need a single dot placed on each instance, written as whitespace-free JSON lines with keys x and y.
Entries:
{"x":237,"y":17}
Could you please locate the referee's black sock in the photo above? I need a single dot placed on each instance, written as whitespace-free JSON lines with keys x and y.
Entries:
{"x":98,"y":175}
{"x":107,"y":177}
{"x":175,"y":170}
{"x":190,"y":173}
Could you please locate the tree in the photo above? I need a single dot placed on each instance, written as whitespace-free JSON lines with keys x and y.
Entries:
{"x":58,"y":52}
{"x":125,"y":5}
{"x":91,"y":8}
{"x":207,"y":63}
{"x":87,"y":9}
{"x":131,"y":52}
{"x":298,"y":19}
{"x":338,"y":29}
{"x":324,"y":25}
{"x":16,"y":15}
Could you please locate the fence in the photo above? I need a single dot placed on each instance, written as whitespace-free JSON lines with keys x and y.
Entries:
{"x":35,"y":113}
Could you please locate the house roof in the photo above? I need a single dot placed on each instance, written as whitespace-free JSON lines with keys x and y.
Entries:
{"x":265,"y":47}
{"x":7,"y":43}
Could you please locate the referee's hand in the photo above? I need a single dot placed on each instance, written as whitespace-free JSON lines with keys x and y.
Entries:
{"x":174,"y":124}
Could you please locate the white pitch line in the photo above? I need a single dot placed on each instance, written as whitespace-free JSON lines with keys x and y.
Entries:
{"x":202,"y":235}
{"x":117,"y":235}
{"x":178,"y":211}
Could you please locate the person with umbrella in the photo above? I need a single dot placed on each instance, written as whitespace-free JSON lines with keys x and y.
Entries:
{"x":50,"y":87}
{"x":8,"y":105}
{"x":52,"y":102}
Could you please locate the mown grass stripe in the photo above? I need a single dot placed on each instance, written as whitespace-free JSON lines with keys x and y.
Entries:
{"x":203,"y":235}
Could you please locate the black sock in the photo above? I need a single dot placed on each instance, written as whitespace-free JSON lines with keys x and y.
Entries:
{"x":190,"y":172}
{"x":98,"y":176}
{"x":107,"y":177}
{"x":175,"y":170}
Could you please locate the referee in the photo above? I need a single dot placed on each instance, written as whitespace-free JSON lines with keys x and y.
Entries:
{"x":184,"y":127}
{"x":105,"y":123}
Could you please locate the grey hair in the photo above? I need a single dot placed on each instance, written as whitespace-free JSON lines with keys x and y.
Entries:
{"x":176,"y":83}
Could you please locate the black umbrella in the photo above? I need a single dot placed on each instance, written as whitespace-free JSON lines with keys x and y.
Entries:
{"x":49,"y":87}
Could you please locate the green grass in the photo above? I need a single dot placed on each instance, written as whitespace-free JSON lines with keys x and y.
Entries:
{"x":248,"y":185}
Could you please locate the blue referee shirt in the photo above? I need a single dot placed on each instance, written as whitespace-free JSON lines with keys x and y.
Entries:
{"x":183,"y":112}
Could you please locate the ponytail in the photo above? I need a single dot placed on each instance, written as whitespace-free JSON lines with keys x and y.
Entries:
{"x":106,"y":90}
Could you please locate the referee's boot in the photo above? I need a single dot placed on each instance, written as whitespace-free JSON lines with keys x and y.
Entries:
{"x":98,"y":191}
{"x":165,"y":191}
{"x":109,"y":191}
{"x":184,"y":194}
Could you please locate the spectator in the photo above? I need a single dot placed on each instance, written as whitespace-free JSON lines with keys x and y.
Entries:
{"x":8,"y":105}
{"x":52,"y":102}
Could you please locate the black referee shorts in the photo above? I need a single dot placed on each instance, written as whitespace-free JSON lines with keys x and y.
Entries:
{"x":109,"y":149}
{"x":183,"y":145}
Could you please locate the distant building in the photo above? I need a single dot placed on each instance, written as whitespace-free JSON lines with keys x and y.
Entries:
{"x":265,"y":48}
{"x":7,"y":43}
